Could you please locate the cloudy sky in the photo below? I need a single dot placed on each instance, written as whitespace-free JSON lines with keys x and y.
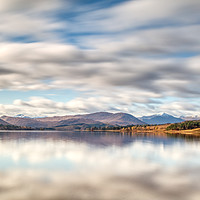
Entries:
{"x":60,"y":57}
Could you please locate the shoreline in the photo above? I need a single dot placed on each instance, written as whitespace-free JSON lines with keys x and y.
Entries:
{"x":161,"y":130}
{"x":195,"y":132}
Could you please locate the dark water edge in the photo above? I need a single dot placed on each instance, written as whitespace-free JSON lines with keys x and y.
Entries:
{"x":98,"y":165}
{"x":95,"y":137}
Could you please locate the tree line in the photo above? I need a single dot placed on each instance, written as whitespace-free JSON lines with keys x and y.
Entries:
{"x":184,"y":125}
{"x":13,"y":127}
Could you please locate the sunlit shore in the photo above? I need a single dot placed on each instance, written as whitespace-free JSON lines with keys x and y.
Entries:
{"x":156,"y":129}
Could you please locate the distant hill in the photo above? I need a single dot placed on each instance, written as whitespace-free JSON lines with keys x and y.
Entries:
{"x":53,"y":122}
{"x":161,"y":119}
{"x":6,"y":126}
{"x":28,"y":122}
{"x":187,"y":125}
{"x":99,"y":119}
{"x":2,"y":122}
{"x":121,"y":119}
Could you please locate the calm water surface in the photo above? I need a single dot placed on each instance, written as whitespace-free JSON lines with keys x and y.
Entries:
{"x":104,"y":166}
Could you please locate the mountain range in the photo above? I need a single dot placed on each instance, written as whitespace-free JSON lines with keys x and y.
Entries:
{"x":161,"y":119}
{"x":99,"y":119}
{"x":121,"y":119}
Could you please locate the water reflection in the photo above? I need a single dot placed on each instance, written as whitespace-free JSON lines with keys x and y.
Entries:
{"x":99,"y":165}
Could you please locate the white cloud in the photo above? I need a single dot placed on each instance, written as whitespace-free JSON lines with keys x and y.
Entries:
{"x":29,"y":19}
{"x":127,"y":66}
{"x":92,"y":68}
{"x":114,"y":80}
{"x":143,"y":13}
{"x":125,"y":102}
{"x":29,"y":5}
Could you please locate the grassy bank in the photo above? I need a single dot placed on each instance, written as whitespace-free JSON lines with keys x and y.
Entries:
{"x":187,"y":127}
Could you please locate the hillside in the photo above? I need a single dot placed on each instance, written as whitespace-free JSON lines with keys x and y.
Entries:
{"x":2,"y":122}
{"x":99,"y":119}
{"x":187,"y":125}
{"x":102,"y":117}
{"x":121,"y":119}
{"x":29,"y":122}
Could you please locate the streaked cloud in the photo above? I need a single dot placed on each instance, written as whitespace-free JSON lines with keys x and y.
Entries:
{"x":146,"y":51}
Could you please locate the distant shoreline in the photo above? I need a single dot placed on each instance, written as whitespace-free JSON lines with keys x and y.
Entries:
{"x":148,"y":129}
{"x":183,"y":132}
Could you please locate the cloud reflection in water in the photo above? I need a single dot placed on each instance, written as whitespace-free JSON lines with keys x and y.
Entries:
{"x":142,"y":168}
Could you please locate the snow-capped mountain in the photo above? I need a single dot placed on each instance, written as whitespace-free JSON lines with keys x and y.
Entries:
{"x":160,"y":119}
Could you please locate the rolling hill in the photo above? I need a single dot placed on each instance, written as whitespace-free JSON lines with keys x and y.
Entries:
{"x":28,"y":122}
{"x":2,"y":122}
{"x":121,"y":119}
{"x":81,"y":121}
